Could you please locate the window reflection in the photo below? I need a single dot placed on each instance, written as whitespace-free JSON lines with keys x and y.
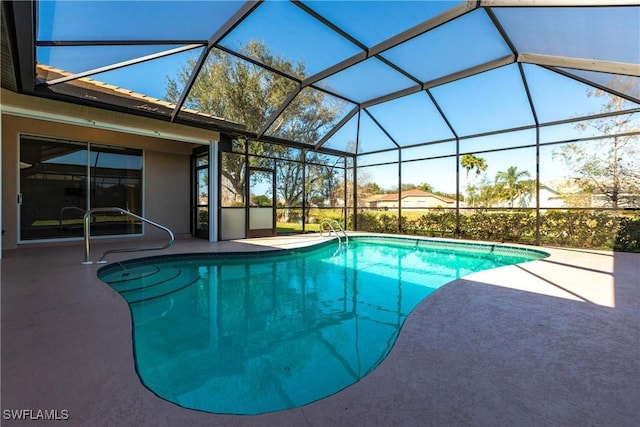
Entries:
{"x":116,"y":181}
{"x":232,"y":178}
{"x":61,"y":180}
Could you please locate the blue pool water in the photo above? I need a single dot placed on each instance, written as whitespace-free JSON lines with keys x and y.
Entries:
{"x":248,"y":334}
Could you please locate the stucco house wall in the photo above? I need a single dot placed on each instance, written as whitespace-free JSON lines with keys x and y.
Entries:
{"x":166,"y":170}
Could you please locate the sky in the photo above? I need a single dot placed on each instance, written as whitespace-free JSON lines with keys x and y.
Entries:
{"x":485,"y":102}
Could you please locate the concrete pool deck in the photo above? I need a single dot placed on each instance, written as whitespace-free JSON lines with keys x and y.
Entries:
{"x":553,"y":342}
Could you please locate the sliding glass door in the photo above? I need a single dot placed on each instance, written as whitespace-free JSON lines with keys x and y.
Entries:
{"x":61,"y":180}
{"x":200,"y":193}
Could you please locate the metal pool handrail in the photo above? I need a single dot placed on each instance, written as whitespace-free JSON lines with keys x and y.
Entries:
{"x":339,"y":227}
{"x":331,"y":224}
{"x":87,"y":217}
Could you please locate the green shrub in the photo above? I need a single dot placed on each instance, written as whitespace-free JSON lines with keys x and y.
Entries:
{"x":437,"y":224}
{"x":203,"y":218}
{"x":577,"y":229}
{"x":628,"y":236}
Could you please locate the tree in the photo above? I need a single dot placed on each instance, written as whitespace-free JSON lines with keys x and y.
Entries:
{"x":470,"y":162}
{"x":526,"y":191}
{"x":512,"y":180}
{"x":246,"y":93}
{"x":406,"y":186}
{"x":369,"y":187}
{"x":262,"y":200}
{"x":324,"y":182}
{"x":608,"y":166}
{"x":233,"y":179}
{"x":289,"y":186}
{"x":484,"y":193}
{"x":366,"y":189}
{"x":425,"y":187}
{"x":328,"y":182}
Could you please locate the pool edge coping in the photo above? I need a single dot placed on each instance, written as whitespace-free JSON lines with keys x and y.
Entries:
{"x":433,"y":243}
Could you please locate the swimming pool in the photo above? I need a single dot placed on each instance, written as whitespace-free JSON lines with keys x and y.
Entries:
{"x":260,"y":332}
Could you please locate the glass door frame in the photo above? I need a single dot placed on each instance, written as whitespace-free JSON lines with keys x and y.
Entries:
{"x":81,"y":182}
{"x":260,"y":232}
{"x":196,"y":206}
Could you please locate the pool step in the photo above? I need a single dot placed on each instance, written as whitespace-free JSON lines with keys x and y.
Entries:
{"x":149,"y":282}
{"x":141,"y":277}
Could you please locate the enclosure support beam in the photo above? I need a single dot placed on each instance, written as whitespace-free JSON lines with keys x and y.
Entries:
{"x":581,"y":64}
{"x":232,"y":23}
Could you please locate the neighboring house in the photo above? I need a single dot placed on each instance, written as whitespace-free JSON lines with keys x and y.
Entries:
{"x":410,"y":199}
{"x":568,"y":194}
{"x":549,"y":198}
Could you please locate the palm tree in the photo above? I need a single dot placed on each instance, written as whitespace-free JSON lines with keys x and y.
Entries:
{"x":470,"y":161}
{"x":512,"y":178}
{"x":481,"y":165}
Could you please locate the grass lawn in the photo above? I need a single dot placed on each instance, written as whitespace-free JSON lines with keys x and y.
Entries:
{"x":294,"y":227}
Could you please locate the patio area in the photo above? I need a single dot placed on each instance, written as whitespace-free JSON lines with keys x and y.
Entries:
{"x":548,"y":342}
